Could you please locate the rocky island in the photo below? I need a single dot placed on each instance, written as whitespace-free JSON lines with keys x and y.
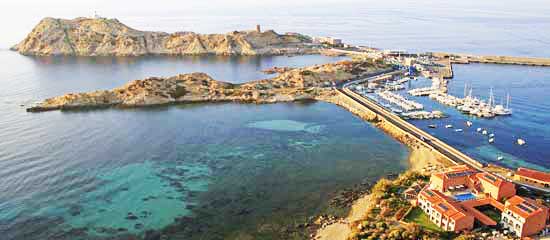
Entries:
{"x":314,"y":82}
{"x":110,"y":37}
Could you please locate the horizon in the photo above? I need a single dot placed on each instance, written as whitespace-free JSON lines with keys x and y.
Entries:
{"x":200,"y":17}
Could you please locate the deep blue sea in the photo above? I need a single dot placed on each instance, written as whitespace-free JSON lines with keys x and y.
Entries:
{"x":237,"y":171}
{"x":528,"y":87}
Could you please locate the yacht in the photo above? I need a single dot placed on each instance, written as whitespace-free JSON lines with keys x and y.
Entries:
{"x":501,"y":110}
{"x":492,"y":135}
{"x":491,"y":140}
{"x":521,"y":142}
{"x":458,"y":130}
{"x":432,"y":126}
{"x":478,"y":130}
{"x":469,"y":124}
{"x":500,"y":158}
{"x":448,"y":126}
{"x":484,"y":132}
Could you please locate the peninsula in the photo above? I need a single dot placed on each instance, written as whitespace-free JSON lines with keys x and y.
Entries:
{"x":110,"y":37}
{"x":312,"y":82}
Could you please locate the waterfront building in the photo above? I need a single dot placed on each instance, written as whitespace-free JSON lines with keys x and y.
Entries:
{"x":495,"y":187}
{"x":327,"y":40}
{"x":531,"y":176}
{"x":458,"y":196}
{"x":453,"y":178}
{"x":444,"y":212}
{"x":524,"y":216}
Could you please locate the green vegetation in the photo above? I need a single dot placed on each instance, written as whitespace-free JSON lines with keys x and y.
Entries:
{"x":419,"y":217}
{"x":382,"y":221}
{"x":490,"y":211}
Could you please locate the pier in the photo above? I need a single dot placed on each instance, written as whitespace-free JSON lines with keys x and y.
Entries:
{"x":451,"y":153}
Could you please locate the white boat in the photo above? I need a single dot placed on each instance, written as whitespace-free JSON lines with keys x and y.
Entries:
{"x":492,"y":135}
{"x":478,"y":129}
{"x":500,"y":158}
{"x":448,"y":126}
{"x":501,"y":110}
{"x":458,"y":130}
{"x":484,"y":132}
{"x":469,"y":124}
{"x":491,"y":140}
{"x":521,"y":142}
{"x":432,"y":126}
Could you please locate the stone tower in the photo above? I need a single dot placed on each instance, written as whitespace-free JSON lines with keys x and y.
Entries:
{"x":258,"y":29}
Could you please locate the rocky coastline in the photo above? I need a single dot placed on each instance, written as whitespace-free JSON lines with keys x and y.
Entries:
{"x":110,"y":37}
{"x":308,"y":83}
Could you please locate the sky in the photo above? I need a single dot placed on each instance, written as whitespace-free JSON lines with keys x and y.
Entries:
{"x":18,"y":17}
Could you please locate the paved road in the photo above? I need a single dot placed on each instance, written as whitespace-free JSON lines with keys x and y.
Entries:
{"x":440,"y":146}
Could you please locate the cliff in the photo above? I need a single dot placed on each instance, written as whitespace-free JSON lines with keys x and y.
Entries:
{"x":304,"y":83}
{"x":109,"y":37}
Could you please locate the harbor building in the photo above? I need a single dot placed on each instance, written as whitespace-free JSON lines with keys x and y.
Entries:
{"x":534,"y":177}
{"x":524,"y":216}
{"x":327,"y":40}
{"x":459,"y":197}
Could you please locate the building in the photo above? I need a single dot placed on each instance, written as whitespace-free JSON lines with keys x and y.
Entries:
{"x":445,"y":212}
{"x":495,"y":187}
{"x":535,"y":177}
{"x":327,"y":40}
{"x":457,"y":197}
{"x":258,"y":28}
{"x":524,"y":216}
{"x":454,"y":178}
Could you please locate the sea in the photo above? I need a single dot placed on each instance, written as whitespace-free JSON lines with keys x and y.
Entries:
{"x":246,"y":171}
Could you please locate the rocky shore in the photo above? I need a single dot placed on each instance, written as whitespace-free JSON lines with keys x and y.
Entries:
{"x":110,"y":37}
{"x":309,"y":83}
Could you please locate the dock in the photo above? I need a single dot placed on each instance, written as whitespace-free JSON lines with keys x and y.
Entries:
{"x":451,"y":153}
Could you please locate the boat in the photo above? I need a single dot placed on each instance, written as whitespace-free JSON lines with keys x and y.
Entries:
{"x":478,"y":129}
{"x":499,"y":158}
{"x":458,"y":130}
{"x":484,"y":132}
{"x":491,"y":140}
{"x":501,"y":110}
{"x":492,"y":135}
{"x":432,"y":126}
{"x":469,"y":124}
{"x":448,"y":126}
{"x":521,"y":142}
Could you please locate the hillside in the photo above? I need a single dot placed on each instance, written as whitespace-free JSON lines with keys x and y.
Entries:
{"x":109,"y":37}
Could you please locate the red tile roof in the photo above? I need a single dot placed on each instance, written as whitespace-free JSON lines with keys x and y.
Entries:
{"x":524,"y":207}
{"x":534,"y":174}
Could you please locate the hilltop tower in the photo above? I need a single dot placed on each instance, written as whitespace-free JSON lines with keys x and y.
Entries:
{"x":258,"y":29}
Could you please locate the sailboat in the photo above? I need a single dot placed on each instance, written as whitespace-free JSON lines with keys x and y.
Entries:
{"x":501,"y":110}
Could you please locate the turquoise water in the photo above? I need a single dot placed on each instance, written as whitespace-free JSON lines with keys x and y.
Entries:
{"x":184,"y":170}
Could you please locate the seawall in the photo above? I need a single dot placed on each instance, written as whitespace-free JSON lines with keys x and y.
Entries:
{"x":420,"y":154}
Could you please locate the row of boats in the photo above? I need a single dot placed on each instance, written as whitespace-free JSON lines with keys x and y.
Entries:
{"x":469,"y":104}
{"x":402,"y":102}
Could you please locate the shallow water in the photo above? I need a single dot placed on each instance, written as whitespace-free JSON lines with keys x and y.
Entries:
{"x":111,"y":172}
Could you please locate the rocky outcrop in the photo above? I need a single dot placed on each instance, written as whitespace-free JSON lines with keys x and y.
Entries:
{"x":298,"y":84}
{"x":109,"y":37}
